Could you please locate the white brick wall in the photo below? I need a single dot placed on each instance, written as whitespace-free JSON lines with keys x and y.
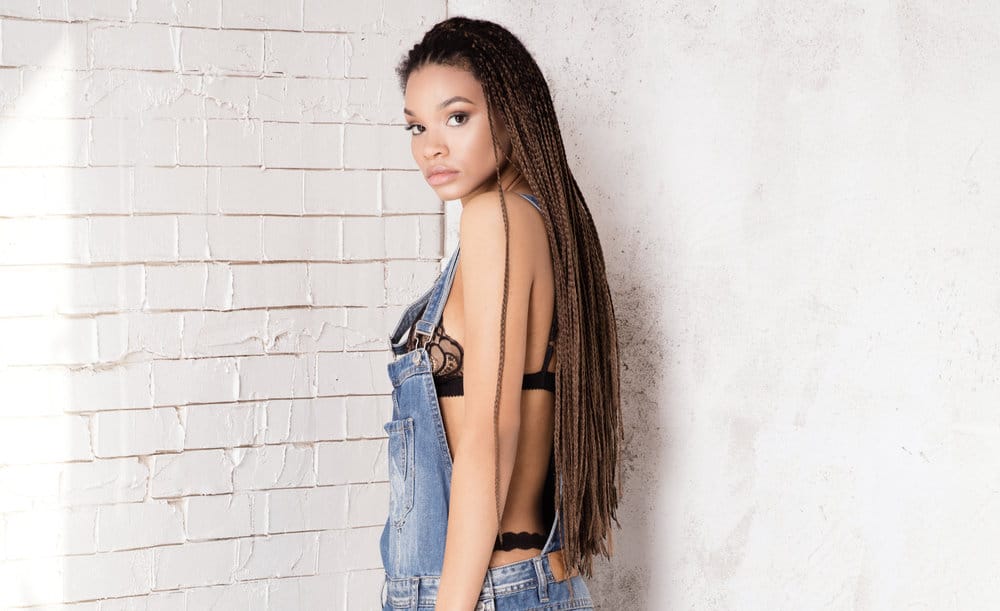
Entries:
{"x":209,"y":221}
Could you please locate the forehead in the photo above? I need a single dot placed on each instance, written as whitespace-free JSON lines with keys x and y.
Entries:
{"x":430,"y":85}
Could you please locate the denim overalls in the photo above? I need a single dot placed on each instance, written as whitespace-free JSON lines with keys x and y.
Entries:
{"x":412,"y":542}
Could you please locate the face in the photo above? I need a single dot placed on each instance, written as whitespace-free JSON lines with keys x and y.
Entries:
{"x":445,"y":112}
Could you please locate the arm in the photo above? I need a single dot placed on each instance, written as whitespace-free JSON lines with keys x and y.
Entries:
{"x":472,"y":520}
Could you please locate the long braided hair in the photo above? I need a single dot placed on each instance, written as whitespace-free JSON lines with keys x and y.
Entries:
{"x":588,"y":423}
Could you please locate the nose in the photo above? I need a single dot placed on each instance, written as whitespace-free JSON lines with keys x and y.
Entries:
{"x":433,"y":146}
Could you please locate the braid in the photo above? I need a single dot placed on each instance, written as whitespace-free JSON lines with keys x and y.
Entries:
{"x":588,"y":428}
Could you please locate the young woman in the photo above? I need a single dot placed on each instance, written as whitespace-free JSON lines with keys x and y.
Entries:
{"x":505,"y":439}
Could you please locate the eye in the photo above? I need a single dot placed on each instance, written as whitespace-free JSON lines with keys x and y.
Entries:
{"x":411,"y":126}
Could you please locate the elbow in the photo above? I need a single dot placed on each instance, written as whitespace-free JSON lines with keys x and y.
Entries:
{"x":476,"y":442}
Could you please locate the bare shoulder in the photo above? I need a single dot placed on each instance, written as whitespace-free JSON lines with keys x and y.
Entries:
{"x":482,"y":218}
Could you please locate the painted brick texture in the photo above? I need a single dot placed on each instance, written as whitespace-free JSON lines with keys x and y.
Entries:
{"x":209,"y":219}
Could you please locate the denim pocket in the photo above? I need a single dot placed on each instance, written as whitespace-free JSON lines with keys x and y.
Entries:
{"x":401,"y":469}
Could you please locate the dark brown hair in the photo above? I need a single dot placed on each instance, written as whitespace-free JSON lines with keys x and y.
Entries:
{"x":588,"y":424}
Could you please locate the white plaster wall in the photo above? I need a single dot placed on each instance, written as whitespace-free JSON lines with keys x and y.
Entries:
{"x":799,"y":205}
{"x":209,"y":219}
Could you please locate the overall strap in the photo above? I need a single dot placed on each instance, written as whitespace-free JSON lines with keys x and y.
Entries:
{"x":435,"y":304}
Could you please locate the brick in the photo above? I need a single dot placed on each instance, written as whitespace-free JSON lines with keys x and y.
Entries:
{"x":232,"y":97}
{"x":195,"y":381}
{"x":128,"y":141}
{"x":224,"y":425}
{"x":43,"y":240}
{"x":302,"y":238}
{"x":205,"y":13}
{"x":402,"y":236}
{"x":113,"y":574}
{"x":262,"y":15}
{"x":359,"y":244}
{"x":377,"y":147}
{"x":43,"y":142}
{"x":302,"y":145}
{"x":138,"y":336}
{"x":42,"y":191}
{"x":135,"y":525}
{"x":272,"y":284}
{"x":48,"y":341}
{"x":367,"y":504}
{"x":221,"y":50}
{"x":191,"y":472}
{"x":49,"y":532}
{"x":154,"y":601}
{"x":372,"y":53}
{"x":404,"y":192}
{"x":225,"y":333}
{"x":113,"y":93}
{"x":118,"y":10}
{"x":134,"y":46}
{"x":408,"y":280}
{"x":50,"y":391}
{"x":45,"y":440}
{"x":305,"y":54}
{"x":347,"y":284}
{"x":360,"y":461}
{"x":132,"y":239}
{"x":306,"y":329}
{"x":219,"y":238}
{"x":21,"y":8}
{"x":349,"y":192}
{"x":349,"y":550}
{"x":246,"y":595}
{"x":192,"y":142}
{"x":320,"y":15}
{"x":43,"y":43}
{"x":364,"y":586}
{"x":188,"y":286}
{"x":282,"y":98}
{"x":149,"y":431}
{"x":285,"y":555}
{"x":100,"y":482}
{"x":227,"y":515}
{"x":273,"y":466}
{"x":46,"y":92}
{"x":301,"y":509}
{"x":194,"y":564}
{"x":347,"y":373}
{"x":179,"y":190}
{"x":305,"y":420}
{"x":276,"y":376}
{"x":366,"y":415}
{"x":234,"y":142}
{"x":430,"y":232}
{"x":311,"y":591}
{"x":258,"y":191}
{"x":376,"y":100}
{"x":29,"y":487}
{"x":369,"y":328}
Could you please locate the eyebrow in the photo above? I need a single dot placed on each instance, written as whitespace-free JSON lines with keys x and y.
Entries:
{"x":450,"y":100}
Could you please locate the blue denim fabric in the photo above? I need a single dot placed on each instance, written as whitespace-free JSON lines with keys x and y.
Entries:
{"x":412,"y":542}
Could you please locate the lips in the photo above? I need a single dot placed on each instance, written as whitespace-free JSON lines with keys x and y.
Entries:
{"x":439,"y":169}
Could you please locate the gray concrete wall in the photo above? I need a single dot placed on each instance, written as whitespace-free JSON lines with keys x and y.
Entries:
{"x":798,"y":203}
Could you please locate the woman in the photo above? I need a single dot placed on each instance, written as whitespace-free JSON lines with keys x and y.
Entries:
{"x":506,"y":376}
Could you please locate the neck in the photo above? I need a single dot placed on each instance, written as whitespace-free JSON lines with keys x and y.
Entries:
{"x":510,"y":180}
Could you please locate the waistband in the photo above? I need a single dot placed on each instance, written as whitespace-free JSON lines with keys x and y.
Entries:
{"x":531,"y":573}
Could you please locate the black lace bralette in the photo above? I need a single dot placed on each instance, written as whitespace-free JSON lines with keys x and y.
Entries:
{"x":446,"y":363}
